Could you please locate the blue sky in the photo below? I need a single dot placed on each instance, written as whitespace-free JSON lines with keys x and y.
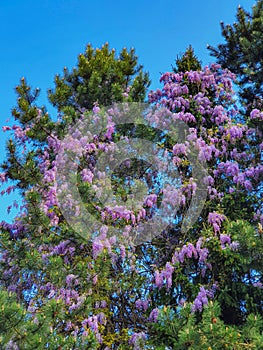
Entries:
{"x":39,"y":38}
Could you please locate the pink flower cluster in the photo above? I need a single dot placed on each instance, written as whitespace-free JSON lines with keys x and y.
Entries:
{"x":221,"y":141}
{"x":202,"y":298}
{"x":216,"y":219}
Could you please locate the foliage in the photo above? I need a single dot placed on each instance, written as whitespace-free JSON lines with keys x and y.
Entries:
{"x":100,"y":77}
{"x":77,"y":290}
{"x":188,"y":61}
{"x":185,"y":330}
{"x":242,"y":53}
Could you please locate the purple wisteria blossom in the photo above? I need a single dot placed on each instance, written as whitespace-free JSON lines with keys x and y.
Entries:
{"x":80,"y":287}
{"x":100,"y":304}
{"x":190,"y":251}
{"x":142,"y":304}
{"x":225,"y":239}
{"x":202,"y":298}
{"x":258,"y":285}
{"x":158,"y":277}
{"x":216,"y":219}
{"x":256,"y":114}
{"x":164,"y":276}
{"x":96,"y":109}
{"x":154,"y":315}
{"x":234,"y":245}
{"x":137,"y":340}
{"x":11,"y":345}
{"x":87,"y":175}
{"x":71,"y":279}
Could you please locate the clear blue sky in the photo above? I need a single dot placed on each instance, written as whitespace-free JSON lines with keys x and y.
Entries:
{"x":39,"y":38}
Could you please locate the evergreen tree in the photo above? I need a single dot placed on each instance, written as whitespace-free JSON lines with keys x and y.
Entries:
{"x":188,"y":61}
{"x":175,"y":97}
{"x":242,"y":53}
{"x":185,"y":330}
{"x":100,"y":77}
{"x":65,"y":290}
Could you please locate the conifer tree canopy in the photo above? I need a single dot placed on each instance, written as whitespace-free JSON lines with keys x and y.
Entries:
{"x":198,"y":286}
{"x":242,"y":53}
{"x":100,"y":77}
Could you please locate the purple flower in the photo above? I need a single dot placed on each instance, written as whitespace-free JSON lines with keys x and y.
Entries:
{"x":231,"y":190}
{"x":200,"y":301}
{"x":61,"y":248}
{"x":154,"y":315}
{"x":216,"y":220}
{"x":12,"y":288}
{"x":182,"y":302}
{"x":85,"y":334}
{"x":95,"y":279}
{"x":6,"y":128}
{"x":209,"y":181}
{"x":110,"y":131}
{"x":235,"y":132}
{"x":52,"y":293}
{"x":97,"y":247}
{"x":137,"y":340}
{"x":92,"y":322}
{"x":256,"y":114}
{"x":69,"y":325}
{"x":122,"y":251}
{"x":101,"y":318}
{"x":99,"y":337}
{"x":231,"y":168}
{"x":197,"y":305}
{"x":103,"y":230}
{"x":234,"y":245}
{"x":203,"y":254}
{"x":219,"y":115}
{"x":248,"y":185}
{"x":70,"y":278}
{"x":142,"y":304}
{"x":103,"y":304}
{"x":96,"y":109}
{"x":258,"y":285}
{"x":158,"y":279}
{"x":31,"y":309}
{"x":190,"y":250}
{"x":87,"y":175}
{"x":179,"y":148}
{"x":11,"y":345}
{"x":225,"y":239}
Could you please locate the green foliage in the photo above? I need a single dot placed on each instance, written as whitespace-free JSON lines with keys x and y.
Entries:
{"x":236,"y":272}
{"x":182,"y":329}
{"x":242,"y":53}
{"x":19,"y":328}
{"x":100,"y":77}
{"x":103,"y":78}
{"x":37,"y":120}
{"x":188,"y":61}
{"x":58,"y":281}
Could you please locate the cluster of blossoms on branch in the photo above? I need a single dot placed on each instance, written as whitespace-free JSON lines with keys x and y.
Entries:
{"x":203,"y":101}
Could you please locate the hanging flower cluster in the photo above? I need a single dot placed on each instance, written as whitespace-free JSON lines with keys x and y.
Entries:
{"x":90,"y":279}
